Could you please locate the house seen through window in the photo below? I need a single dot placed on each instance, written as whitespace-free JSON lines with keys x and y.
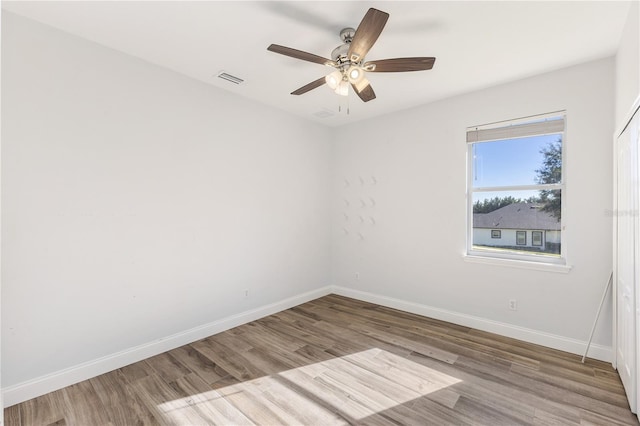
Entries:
{"x":515,"y":187}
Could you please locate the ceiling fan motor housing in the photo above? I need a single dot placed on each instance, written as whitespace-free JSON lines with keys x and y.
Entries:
{"x":340,"y":53}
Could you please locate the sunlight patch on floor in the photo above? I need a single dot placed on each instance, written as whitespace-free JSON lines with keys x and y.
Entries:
{"x":356,"y":385}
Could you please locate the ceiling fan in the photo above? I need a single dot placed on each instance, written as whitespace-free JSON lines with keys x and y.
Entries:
{"x":348,"y":59}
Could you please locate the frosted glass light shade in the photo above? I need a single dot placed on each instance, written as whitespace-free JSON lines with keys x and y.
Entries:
{"x":343,"y":88}
{"x":355,"y":74}
{"x":333,"y":79}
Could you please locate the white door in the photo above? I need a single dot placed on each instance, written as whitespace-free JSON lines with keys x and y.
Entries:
{"x":626,"y":207}
{"x":634,"y":134}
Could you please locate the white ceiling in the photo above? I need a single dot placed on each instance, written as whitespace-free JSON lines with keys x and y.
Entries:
{"x":477,"y":44}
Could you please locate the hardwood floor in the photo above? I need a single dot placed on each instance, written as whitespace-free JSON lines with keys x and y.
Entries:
{"x":336,"y":361}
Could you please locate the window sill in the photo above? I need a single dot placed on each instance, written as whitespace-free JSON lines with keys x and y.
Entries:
{"x":522,"y":264}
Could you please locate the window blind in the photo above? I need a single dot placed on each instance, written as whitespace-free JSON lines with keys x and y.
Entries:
{"x":541,"y":125}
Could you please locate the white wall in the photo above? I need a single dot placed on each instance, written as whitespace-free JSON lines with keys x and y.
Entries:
{"x":414,"y":251}
{"x":138,"y":203}
{"x":628,"y":66}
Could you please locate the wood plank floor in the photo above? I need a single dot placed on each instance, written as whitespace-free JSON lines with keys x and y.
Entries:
{"x":336,"y":361}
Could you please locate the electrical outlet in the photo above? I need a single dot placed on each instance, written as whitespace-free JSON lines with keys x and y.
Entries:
{"x":513,"y":304}
{"x":246,"y":294}
{"x":357,"y":275}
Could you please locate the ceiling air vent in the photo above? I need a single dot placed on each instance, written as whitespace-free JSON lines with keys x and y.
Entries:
{"x":232,"y":78}
{"x":323,"y":113}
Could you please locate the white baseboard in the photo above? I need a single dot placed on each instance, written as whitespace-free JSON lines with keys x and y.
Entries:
{"x":51,"y":382}
{"x":603,"y":353}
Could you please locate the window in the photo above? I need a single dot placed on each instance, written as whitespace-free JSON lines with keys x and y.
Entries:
{"x":515,"y":185}
{"x":536,"y":238}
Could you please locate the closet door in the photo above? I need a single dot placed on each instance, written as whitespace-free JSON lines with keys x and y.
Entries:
{"x":626,"y":253}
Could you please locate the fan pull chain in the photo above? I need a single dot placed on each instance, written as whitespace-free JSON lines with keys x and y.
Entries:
{"x":347,"y":105}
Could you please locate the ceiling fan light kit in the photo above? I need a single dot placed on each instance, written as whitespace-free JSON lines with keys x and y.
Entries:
{"x":348,"y":59}
{"x":355,"y":74}
{"x":342,"y":89}
{"x":333,"y":79}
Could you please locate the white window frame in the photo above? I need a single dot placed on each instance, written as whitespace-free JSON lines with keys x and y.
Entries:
{"x":537,"y":125}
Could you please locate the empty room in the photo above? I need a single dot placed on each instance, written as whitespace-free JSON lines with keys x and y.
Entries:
{"x":320,"y":213}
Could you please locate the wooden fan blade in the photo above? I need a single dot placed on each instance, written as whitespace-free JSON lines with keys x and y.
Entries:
{"x":400,"y":65}
{"x":367,"y":33}
{"x":307,"y":87}
{"x":299,"y":54}
{"x":364,"y":90}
